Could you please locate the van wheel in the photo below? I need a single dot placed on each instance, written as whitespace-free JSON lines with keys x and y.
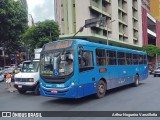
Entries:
{"x":37,"y":90}
{"x":101,"y":89}
{"x":21,"y":91}
{"x":136,"y":82}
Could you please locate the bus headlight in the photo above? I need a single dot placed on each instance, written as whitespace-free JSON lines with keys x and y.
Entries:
{"x":72,"y":83}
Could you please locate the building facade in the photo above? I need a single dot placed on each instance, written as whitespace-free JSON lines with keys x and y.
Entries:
{"x":125,"y":30}
{"x":155,"y":9}
{"x":30,"y":20}
{"x":146,"y":5}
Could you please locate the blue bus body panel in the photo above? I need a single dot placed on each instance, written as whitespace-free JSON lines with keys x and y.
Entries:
{"x":86,"y":83}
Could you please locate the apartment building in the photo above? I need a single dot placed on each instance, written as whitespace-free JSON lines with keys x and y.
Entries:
{"x":146,"y":5}
{"x":126,"y":30}
{"x":155,"y":9}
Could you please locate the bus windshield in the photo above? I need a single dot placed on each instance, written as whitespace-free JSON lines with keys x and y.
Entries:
{"x":30,"y":66}
{"x":57,"y":63}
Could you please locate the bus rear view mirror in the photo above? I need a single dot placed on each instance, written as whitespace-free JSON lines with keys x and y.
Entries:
{"x":80,"y":50}
{"x":63,"y":57}
{"x":70,"y":56}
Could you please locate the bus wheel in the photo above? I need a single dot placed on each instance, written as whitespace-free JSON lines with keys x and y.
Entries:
{"x":101,"y":90}
{"x":21,"y":91}
{"x":136,"y":82}
{"x":37,"y":90}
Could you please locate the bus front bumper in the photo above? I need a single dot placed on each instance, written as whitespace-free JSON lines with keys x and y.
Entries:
{"x":68,"y":92}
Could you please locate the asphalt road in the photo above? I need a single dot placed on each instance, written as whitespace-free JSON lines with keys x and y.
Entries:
{"x":145,"y":97}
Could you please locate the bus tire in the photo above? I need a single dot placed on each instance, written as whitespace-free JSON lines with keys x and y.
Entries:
{"x":136,"y":81}
{"x":21,"y":91}
{"x":37,"y":90}
{"x":101,"y":89}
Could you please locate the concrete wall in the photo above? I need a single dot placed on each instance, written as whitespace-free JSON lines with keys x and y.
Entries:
{"x":115,"y":25}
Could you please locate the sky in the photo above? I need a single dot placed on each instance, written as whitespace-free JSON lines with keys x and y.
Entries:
{"x":41,"y":9}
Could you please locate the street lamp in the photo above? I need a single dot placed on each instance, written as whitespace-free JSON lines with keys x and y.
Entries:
{"x":107,"y":28}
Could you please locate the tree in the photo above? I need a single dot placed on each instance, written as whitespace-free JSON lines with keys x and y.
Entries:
{"x":151,"y":50}
{"x":13,"y":22}
{"x":43,"y":32}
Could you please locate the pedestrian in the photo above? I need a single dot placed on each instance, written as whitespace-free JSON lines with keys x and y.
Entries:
{"x":8,"y":80}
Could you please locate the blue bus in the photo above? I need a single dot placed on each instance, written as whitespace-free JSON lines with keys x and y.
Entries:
{"x":78,"y":68}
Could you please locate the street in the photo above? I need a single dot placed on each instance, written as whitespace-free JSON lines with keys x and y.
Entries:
{"x":145,"y":97}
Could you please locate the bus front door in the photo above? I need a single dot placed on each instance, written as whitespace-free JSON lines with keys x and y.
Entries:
{"x":86,"y":72}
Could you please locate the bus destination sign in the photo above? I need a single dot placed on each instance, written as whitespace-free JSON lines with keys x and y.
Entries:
{"x":58,"y":45}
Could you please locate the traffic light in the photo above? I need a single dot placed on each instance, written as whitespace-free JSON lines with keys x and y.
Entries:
{"x":102,"y":22}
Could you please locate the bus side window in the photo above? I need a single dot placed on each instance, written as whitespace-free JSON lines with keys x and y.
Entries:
{"x":101,"y":57}
{"x":121,"y":58}
{"x":144,"y":59}
{"x":140,"y":59}
{"x":111,"y":55}
{"x":135,"y":59}
{"x":128,"y":58}
{"x":86,"y":61}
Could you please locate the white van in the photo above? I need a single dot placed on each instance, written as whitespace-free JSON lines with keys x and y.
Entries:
{"x":28,"y":78}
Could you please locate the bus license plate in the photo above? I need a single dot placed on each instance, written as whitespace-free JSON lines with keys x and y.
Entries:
{"x":54,"y":91}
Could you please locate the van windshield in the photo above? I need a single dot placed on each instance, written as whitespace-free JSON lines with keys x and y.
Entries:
{"x":30,"y":66}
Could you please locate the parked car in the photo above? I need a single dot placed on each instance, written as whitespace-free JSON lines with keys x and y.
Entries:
{"x":151,"y":71}
{"x":13,"y":65}
{"x":10,"y":70}
{"x":1,"y":69}
{"x":5,"y":69}
{"x":156,"y":72}
{"x":1,"y":76}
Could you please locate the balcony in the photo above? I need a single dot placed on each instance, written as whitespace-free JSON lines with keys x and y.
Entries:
{"x":121,"y":9}
{"x":123,"y":35}
{"x":135,"y":8}
{"x":94,"y":4}
{"x":100,"y":11}
{"x":108,"y":1}
{"x":135,"y":18}
{"x":122,"y":22}
{"x":136,"y":29}
{"x":103,"y":28}
{"x":135,"y":38}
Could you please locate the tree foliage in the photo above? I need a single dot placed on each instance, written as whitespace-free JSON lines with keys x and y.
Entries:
{"x":13,"y":22}
{"x":43,"y":32}
{"x":151,"y":50}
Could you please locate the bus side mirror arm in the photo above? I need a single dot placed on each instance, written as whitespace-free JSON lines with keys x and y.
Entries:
{"x":80,"y":51}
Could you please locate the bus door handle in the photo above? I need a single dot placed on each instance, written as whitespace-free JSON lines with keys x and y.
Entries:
{"x":93,"y":79}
